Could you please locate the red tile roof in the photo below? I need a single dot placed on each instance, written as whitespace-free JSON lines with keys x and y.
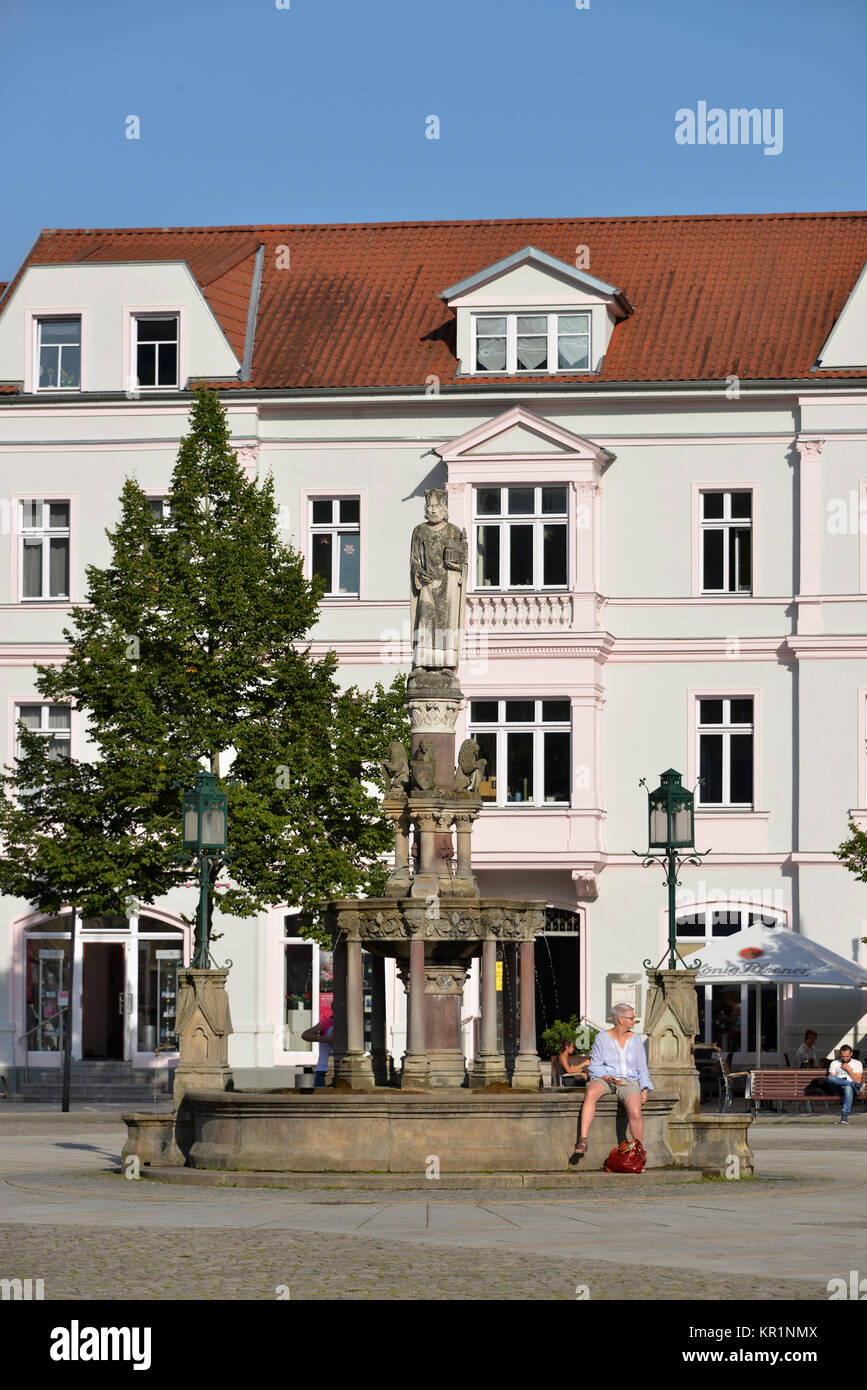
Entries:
{"x":358,"y":305}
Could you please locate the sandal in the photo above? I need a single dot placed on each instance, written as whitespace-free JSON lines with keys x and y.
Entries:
{"x":580,"y":1151}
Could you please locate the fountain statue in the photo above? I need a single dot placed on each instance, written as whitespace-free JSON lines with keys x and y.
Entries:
{"x":433,"y":921}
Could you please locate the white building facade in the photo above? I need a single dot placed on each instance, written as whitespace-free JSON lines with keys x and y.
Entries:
{"x":663,"y":477}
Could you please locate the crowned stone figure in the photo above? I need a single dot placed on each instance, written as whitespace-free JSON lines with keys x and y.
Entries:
{"x":438,"y":571}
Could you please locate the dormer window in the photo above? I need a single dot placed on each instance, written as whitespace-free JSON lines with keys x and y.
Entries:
{"x":511,"y":343}
{"x":58,"y":351}
{"x":155,"y":341}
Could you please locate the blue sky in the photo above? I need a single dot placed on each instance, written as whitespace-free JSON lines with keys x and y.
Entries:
{"x":317,"y":112}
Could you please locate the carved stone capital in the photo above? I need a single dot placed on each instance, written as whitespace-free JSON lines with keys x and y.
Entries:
{"x":434,"y":716}
{"x":809,"y":449}
{"x":444,"y":979}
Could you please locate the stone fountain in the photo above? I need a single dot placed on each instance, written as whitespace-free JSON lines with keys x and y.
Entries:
{"x":432,"y":921}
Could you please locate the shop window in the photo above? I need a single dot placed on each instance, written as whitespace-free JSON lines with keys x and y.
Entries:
{"x":47,"y":992}
{"x":159,"y":959}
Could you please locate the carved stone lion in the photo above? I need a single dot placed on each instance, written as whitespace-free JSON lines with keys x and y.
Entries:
{"x":471,"y":768}
{"x":395,"y":768}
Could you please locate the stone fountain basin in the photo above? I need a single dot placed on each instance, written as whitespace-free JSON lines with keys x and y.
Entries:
{"x":391,"y":1131}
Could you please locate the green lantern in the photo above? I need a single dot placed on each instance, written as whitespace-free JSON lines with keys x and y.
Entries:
{"x":671,"y":811}
{"x":204,"y":813}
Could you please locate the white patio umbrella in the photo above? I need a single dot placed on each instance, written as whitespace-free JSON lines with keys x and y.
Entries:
{"x":774,"y":955}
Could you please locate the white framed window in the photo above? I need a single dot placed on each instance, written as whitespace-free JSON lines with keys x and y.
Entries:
{"x":44,"y":554}
{"x":538,"y":343}
{"x":726,"y":541}
{"x":725,"y":735}
{"x":58,"y":354}
{"x":335,"y":544}
{"x":53,"y":722}
{"x":161,"y":511}
{"x":155,"y":349}
{"x":527,"y":747}
{"x":521,"y":537}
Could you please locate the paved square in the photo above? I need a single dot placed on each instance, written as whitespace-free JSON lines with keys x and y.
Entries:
{"x":67,"y":1218}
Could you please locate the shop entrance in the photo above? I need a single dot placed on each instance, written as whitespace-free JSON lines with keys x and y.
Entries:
{"x":103,"y":1001}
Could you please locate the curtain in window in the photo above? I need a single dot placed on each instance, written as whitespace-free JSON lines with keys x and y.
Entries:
{"x":32,"y":577}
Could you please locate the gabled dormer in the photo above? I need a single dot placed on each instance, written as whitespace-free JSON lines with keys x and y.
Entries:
{"x":846,"y":345}
{"x":135,"y":327}
{"x":531,"y":314}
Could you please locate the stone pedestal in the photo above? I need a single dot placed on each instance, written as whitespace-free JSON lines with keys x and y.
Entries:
{"x":671,"y":1025}
{"x":709,"y":1142}
{"x":204,"y":1024}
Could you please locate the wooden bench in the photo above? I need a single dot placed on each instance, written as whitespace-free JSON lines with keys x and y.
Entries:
{"x":789,"y":1085}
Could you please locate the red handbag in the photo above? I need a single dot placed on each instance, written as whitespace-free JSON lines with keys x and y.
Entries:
{"x":626,"y":1158}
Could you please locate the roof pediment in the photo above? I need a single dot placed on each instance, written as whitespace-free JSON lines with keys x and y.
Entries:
{"x":519,"y":433}
{"x":550,"y":269}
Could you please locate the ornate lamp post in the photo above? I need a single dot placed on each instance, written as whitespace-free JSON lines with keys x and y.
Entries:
{"x":205,"y":833}
{"x":671,"y":829}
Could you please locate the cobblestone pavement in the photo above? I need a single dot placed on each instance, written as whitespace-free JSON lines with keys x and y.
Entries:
{"x":67,"y":1218}
{"x":131,"y":1263}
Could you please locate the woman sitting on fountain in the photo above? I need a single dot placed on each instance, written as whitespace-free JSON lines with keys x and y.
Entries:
{"x":618,"y":1067}
{"x":565,"y":1065}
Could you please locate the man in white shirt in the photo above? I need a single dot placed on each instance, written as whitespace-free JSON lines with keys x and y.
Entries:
{"x":848,"y":1074}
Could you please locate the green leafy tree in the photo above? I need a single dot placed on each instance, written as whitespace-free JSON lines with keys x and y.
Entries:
{"x":193,"y":646}
{"x":853,"y":853}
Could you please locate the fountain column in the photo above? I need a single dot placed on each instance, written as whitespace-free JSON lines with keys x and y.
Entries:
{"x":489,"y":1066}
{"x":354,"y":1069}
{"x":528,"y":1074}
{"x":415,"y":1060}
{"x":378,"y":1049}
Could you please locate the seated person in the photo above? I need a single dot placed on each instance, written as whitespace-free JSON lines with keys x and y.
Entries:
{"x":565,"y":1065}
{"x":848,"y":1074}
{"x":618,"y":1067}
{"x":806,"y":1053}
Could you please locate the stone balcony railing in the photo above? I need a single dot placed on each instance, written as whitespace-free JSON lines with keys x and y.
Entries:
{"x":520,"y":612}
